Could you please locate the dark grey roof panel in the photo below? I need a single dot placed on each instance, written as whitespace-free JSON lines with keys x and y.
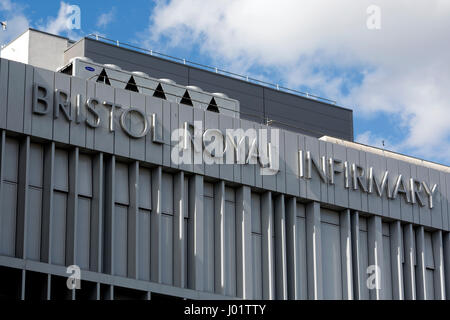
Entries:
{"x":296,"y":113}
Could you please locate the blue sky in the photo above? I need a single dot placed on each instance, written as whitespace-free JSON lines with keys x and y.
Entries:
{"x":395,"y":77}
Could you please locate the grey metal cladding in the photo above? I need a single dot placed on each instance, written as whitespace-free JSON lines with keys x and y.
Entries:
{"x":103,"y":138}
{"x":16,"y":94}
{"x":61,"y":128}
{"x":137,"y":146}
{"x":77,"y":130}
{"x":122,"y":97}
{"x":42,"y":126}
{"x":153,"y":151}
{"x":3,"y":91}
{"x":169,"y":117}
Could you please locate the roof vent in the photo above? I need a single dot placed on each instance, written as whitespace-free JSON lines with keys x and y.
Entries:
{"x":186,"y":99}
{"x":159,"y":92}
{"x":169,"y":81}
{"x":86,"y":59}
{"x":103,"y":78}
{"x":131,"y":85}
{"x":140,"y":74}
{"x":220,"y":95}
{"x":213,"y":106}
{"x":112,"y":66}
{"x":194,"y":88}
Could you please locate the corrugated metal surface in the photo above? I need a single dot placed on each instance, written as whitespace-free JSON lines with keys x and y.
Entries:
{"x":132,"y":219}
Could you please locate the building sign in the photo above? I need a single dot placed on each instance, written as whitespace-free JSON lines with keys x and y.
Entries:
{"x":62,"y":108}
{"x":196,"y":145}
{"x":366,"y":179}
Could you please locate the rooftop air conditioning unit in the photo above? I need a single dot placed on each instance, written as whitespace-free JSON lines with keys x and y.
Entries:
{"x":110,"y":74}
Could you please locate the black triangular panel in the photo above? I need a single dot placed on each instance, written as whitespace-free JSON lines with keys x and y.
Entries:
{"x":103,"y":78}
{"x":131,"y":85}
{"x":186,"y":99}
{"x":159,"y":92}
{"x":213,"y":106}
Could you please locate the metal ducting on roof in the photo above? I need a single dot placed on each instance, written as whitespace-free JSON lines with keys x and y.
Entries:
{"x":112,"y":66}
{"x":138,"y":81}
{"x":169,"y":81}
{"x":86,"y":59}
{"x":195,"y":88}
{"x":140,"y":74}
{"x":220,"y":95}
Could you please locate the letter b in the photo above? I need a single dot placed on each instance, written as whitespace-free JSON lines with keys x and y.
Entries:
{"x":40,"y":99}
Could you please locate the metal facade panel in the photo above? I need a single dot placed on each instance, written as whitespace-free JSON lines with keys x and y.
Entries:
{"x":313,"y":184}
{"x":374,"y":201}
{"x":394,"y":204}
{"x":423,"y":174}
{"x":257,"y":266}
{"x":16,"y":94}
{"x":208,"y":199}
{"x":85,"y":175}
{"x":302,"y":284}
{"x":331,"y":261}
{"x":28,"y":99}
{"x":153,"y":151}
{"x":444,"y":202}
{"x":281,"y":174}
{"x":8,"y":216}
{"x":78,"y":130}
{"x":122,"y":194}
{"x":341,"y":194}
{"x":58,"y":232}
{"x":145,"y":187}
{"x":42,"y":125}
{"x":436,"y":213}
{"x":34,"y":219}
{"x":144,"y":244}
{"x":230,"y":247}
{"x":291,"y":159}
{"x":331,"y":187}
{"x":167,"y":194}
{"x":3,"y":91}
{"x":167,"y":132}
{"x":120,"y":240}
{"x":406,"y":209}
{"x":186,"y":114}
{"x":387,"y":267}
{"x":103,"y":137}
{"x":90,"y":92}
{"x":256,"y":213}
{"x":61,"y":125}
{"x":323,"y":186}
{"x":167,"y":252}
{"x":137,"y":146}
{"x":121,"y":139}
{"x":61,"y":170}
{"x":36,"y":165}
{"x":226,"y":171}
{"x":174,"y":124}
{"x":83,"y":233}
{"x":354,"y":195}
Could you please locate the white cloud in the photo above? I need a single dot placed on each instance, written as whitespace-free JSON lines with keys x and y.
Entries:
{"x":370,"y":139}
{"x":65,"y":22}
{"x":402,"y":69}
{"x":105,"y":18}
{"x":16,"y":20}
